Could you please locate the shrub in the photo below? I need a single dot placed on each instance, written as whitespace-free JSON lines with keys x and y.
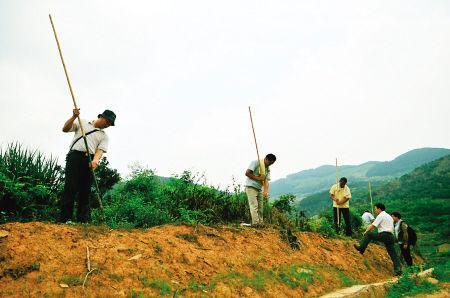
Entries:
{"x":29,"y":184}
{"x":284,"y":203}
{"x":146,"y":200}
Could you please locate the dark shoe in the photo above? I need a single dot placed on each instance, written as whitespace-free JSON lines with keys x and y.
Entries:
{"x":358,"y":248}
{"x":398,"y":273}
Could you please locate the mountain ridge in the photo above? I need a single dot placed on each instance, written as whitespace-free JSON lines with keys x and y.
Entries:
{"x":311,"y":181}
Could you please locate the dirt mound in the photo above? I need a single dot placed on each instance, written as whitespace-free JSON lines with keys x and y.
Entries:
{"x":39,"y":259}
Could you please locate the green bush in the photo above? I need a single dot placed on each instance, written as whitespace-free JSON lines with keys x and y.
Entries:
{"x":284,"y":203}
{"x":146,"y":200}
{"x":322,"y":225}
{"x":107,"y":177}
{"x":29,"y":184}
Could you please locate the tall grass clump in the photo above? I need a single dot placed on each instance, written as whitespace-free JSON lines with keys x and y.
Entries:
{"x":29,"y":184}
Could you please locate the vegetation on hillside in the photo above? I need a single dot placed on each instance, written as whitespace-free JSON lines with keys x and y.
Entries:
{"x":31,"y":185}
{"x":308,"y":182}
{"x":407,"y":162}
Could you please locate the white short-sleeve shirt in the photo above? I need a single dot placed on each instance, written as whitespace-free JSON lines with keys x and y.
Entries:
{"x":367,"y":217}
{"x":95,"y":140}
{"x":384,"y":223}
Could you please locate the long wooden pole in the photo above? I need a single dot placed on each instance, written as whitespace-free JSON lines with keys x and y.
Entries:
{"x":370,"y":194}
{"x":76,"y":107}
{"x":337,"y":185}
{"x":261,"y":168}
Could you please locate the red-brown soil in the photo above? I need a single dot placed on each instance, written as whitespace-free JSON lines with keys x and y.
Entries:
{"x":36,"y":258}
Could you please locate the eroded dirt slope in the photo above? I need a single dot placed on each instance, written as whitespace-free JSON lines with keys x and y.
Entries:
{"x":40,"y":259}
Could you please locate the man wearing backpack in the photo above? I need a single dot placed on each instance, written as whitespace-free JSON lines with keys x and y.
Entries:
{"x":401,"y":234}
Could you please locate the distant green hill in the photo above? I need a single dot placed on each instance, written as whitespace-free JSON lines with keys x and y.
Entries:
{"x":422,"y":197}
{"x":313,"y":181}
{"x":407,"y":162}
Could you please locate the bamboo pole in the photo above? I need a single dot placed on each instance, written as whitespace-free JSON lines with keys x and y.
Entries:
{"x":261,"y":168}
{"x":76,"y":107}
{"x":337,"y":185}
{"x":370,"y":194}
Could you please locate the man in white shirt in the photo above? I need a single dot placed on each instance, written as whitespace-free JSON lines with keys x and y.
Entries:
{"x":257,"y":186}
{"x":78,"y":175}
{"x":367,"y":218}
{"x":385,"y":225}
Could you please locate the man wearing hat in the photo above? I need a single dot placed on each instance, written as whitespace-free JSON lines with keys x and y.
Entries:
{"x":78,"y":175}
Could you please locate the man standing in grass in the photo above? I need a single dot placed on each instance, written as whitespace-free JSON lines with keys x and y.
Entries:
{"x":340,"y":194}
{"x":78,"y":175}
{"x":401,"y":234}
{"x":256,"y":183}
{"x":385,"y":225}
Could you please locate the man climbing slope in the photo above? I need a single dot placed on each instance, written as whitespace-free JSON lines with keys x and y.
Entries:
{"x":385,"y":225}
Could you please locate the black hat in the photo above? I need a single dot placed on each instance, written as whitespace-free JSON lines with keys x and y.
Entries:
{"x":109,"y":115}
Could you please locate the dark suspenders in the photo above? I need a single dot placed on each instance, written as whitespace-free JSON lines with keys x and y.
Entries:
{"x":92,"y":131}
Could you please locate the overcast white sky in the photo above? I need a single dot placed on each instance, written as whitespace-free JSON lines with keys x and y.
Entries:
{"x":357,"y":80}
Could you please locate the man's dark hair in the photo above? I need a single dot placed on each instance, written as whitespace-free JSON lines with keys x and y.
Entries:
{"x":343,"y":179}
{"x":366,"y":211}
{"x":396,"y":214}
{"x":271,"y":157}
{"x":380,"y":206}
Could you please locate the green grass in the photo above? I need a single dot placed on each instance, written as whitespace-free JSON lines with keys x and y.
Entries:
{"x":137,"y":294}
{"x":442,"y":272}
{"x":441,"y":265}
{"x":366,"y":263}
{"x":257,"y":280}
{"x":346,"y":280}
{"x":296,"y":276}
{"x":254,"y":262}
{"x":409,"y":286}
{"x":157,"y":248}
{"x":71,"y":280}
{"x":195,"y":286}
{"x":162,"y":286}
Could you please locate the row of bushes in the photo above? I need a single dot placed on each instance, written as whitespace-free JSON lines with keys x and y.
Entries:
{"x":31,"y":185}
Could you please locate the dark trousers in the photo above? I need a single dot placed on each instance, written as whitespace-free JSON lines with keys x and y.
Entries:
{"x":406,"y":253}
{"x":388,"y":240}
{"x":77,"y":186}
{"x":346,"y":213}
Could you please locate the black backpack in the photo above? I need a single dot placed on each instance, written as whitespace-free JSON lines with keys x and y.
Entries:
{"x":412,"y":236}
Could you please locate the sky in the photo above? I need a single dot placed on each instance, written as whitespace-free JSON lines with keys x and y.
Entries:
{"x":353,"y":80}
